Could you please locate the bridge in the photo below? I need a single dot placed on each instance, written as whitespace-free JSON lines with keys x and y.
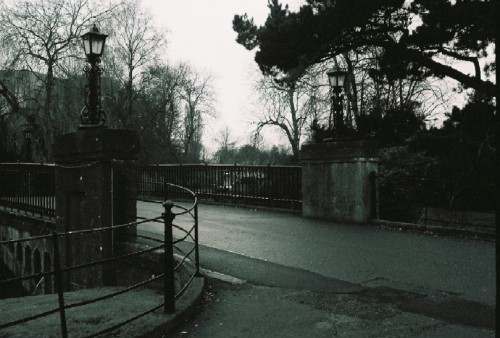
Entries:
{"x":47,"y":246}
{"x":79,"y":214}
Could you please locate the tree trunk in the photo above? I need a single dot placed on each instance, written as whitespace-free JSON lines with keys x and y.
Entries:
{"x":295,"y":124}
{"x":130,"y":91}
{"x":352,"y":90}
{"x":48,"y":128}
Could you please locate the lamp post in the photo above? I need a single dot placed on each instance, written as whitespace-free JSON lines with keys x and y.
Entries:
{"x":92,"y":114}
{"x":336,"y":77}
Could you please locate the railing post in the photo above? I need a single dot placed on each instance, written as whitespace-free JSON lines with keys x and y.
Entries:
{"x":168,"y":259}
{"x":196,"y":247}
{"x":58,"y":284}
{"x":374,"y":195}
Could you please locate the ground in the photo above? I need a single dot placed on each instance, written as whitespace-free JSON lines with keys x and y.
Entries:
{"x":247,"y":310}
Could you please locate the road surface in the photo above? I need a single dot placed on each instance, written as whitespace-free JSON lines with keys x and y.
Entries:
{"x":361,"y":255}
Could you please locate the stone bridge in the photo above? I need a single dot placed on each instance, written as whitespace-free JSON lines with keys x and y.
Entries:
{"x":95,"y":187}
{"x":30,"y":256}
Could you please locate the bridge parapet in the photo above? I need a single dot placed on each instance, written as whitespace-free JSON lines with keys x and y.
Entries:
{"x":95,"y":188}
{"x":26,"y":252}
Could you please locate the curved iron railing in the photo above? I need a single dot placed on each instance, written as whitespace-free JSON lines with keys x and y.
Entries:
{"x":167,"y":244}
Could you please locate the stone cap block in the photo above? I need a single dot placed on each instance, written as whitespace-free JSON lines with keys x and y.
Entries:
{"x":339,"y":150}
{"x":97,"y":144}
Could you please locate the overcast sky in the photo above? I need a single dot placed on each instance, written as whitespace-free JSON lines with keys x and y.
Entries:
{"x":200,"y":32}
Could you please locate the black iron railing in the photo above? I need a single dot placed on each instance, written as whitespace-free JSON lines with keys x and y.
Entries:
{"x":270,"y":186}
{"x":28,"y":188}
{"x":57,"y":274}
{"x":431,"y":202}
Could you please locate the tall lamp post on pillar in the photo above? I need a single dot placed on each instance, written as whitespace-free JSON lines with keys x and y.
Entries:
{"x":94,"y":180}
{"x":336,"y":77}
{"x":92,"y":114}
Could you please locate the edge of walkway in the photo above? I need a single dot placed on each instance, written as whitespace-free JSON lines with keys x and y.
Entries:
{"x":185,"y":307}
{"x":467,"y":233}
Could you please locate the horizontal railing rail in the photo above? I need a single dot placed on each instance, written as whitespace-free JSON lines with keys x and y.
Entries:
{"x":169,"y":242}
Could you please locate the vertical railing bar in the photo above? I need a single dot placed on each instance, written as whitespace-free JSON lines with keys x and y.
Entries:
{"x":168,"y":259}
{"x":196,"y":241}
{"x":36,"y":198}
{"x":59,"y":285}
{"x":18,"y":184}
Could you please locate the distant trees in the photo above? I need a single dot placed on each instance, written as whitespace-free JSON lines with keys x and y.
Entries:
{"x":42,"y":87}
{"x":40,"y":35}
{"x":248,"y":154}
{"x":171,"y":104}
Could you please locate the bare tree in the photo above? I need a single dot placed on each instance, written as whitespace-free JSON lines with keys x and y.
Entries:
{"x":137,"y":42}
{"x":198,"y":96}
{"x":158,"y":110}
{"x":370,"y":88}
{"x":290,"y":105}
{"x":226,"y":147}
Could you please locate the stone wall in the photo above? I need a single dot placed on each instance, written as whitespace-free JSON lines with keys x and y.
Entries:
{"x":94,"y":189}
{"x":27,"y":257}
{"x":338,"y":180}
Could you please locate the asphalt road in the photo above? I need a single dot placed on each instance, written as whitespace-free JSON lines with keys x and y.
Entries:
{"x":360,"y":255}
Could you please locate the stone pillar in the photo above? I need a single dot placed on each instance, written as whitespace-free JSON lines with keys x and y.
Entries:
{"x":95,"y":187}
{"x":337,"y":180}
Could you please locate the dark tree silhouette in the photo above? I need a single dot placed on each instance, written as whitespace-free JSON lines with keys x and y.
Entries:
{"x":290,"y":42}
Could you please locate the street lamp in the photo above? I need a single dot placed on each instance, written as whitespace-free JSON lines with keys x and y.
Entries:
{"x":336,"y":77}
{"x":92,"y":114}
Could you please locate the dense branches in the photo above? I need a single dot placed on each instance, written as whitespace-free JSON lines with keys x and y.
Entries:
{"x":290,"y":42}
{"x":40,"y":36}
{"x":41,"y":80}
{"x":136,"y":42}
{"x":289,"y":106}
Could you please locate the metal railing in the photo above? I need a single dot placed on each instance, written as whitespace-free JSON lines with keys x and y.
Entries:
{"x":270,"y":186}
{"x":426,"y":201}
{"x":28,"y":188}
{"x":169,"y":242}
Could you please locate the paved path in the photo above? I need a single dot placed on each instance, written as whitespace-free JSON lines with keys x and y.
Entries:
{"x":361,"y":255}
{"x":296,"y":277}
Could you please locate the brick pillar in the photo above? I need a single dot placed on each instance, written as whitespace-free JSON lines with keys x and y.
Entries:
{"x":95,"y":181}
{"x":337,"y":180}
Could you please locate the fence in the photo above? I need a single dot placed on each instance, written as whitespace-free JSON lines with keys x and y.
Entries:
{"x":271,"y":186}
{"x":28,"y":188}
{"x":426,"y":201}
{"x":58,"y":272}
